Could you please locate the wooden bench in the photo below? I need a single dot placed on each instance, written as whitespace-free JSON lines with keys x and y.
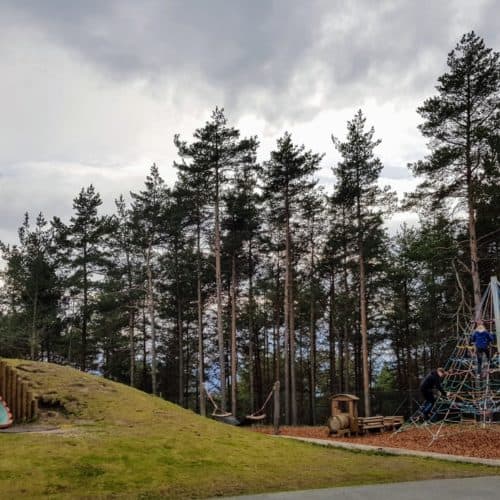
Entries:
{"x":371,"y":423}
{"x":394,"y":422}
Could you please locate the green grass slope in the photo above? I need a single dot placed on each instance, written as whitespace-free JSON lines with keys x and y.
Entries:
{"x":118,"y":442}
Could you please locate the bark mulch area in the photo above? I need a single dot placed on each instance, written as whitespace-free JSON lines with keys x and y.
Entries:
{"x":454,"y":439}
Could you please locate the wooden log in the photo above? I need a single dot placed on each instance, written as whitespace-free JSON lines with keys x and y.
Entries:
{"x":19,"y":398}
{"x":34,"y":408}
{"x":338,"y":423}
{"x":29,"y":398}
{"x":7,"y":396}
{"x":23,"y":402}
{"x":3,"y":381}
{"x":13,"y":393}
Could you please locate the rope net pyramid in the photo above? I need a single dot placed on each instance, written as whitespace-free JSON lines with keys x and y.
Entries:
{"x":472,"y":396}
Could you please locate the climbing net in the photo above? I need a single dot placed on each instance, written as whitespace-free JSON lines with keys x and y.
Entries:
{"x":471,"y":397}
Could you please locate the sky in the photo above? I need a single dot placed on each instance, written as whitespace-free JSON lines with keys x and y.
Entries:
{"x":92,"y":92}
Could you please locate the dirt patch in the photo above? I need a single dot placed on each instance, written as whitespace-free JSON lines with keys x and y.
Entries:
{"x":30,"y":368}
{"x":41,"y":429}
{"x":469,"y":441}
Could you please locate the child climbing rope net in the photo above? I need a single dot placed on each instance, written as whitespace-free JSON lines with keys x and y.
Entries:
{"x":471,"y":388}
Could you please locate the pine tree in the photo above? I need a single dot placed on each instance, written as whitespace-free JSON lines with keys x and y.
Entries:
{"x":461,"y":122}
{"x":179,"y":280}
{"x":216,"y":151}
{"x":313,"y":215}
{"x":239,"y":226}
{"x":127,"y":273}
{"x":148,"y":209}
{"x":35,"y":288}
{"x":82,"y":250}
{"x":288,"y":175}
{"x":357,"y":190}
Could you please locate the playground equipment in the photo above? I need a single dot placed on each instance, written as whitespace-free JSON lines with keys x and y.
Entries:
{"x":344,"y":418}
{"x":16,"y":397}
{"x":252,"y":418}
{"x":471,"y":397}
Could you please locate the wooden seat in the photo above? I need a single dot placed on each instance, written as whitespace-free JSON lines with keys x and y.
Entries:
{"x":394,"y":422}
{"x":371,"y":423}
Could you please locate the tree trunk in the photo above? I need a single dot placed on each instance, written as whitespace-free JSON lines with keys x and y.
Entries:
{"x":144,"y":348}
{"x":476,"y":285}
{"x":34,"y":332}
{"x":180,"y":339}
{"x":252,"y":359}
{"x":218,"y":279}
{"x":290,"y":323}
{"x":331,"y":333}
{"x":364,"y":331}
{"x":286,"y":324}
{"x":234,"y":382}
{"x":131,"y":323}
{"x":131,"y":327}
{"x":471,"y":210}
{"x":277,"y":324}
{"x":408,"y":340}
{"x":312,"y":331}
{"x":201,"y":369}
{"x":83,"y":362}
{"x":151,"y":318}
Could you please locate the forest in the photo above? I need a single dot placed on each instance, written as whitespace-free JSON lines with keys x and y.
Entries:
{"x":244,"y":272}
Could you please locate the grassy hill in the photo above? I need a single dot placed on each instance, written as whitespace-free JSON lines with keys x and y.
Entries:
{"x":115,"y":441}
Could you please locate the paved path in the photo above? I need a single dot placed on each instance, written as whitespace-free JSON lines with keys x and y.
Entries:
{"x":476,"y":488}
{"x":495,"y":462}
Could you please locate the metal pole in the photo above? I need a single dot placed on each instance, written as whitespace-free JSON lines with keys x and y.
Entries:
{"x":495,"y":293}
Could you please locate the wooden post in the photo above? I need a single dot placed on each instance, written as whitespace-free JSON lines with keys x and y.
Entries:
{"x":13,"y":393}
{"x":23,"y":401}
{"x":276,"y":412}
{"x":34,"y":409}
{"x":7,"y":393}
{"x":3,"y":385}
{"x":29,"y":399}
{"x":19,"y":394}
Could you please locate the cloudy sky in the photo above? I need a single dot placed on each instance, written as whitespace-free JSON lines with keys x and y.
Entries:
{"x":93,"y":91}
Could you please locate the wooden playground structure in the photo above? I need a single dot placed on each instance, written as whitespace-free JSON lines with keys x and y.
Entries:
{"x":16,"y":396}
{"x":344,"y":419}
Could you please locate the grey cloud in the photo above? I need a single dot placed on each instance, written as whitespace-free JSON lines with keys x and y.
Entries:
{"x":50,"y":189}
{"x":391,"y":172}
{"x":267,"y":56}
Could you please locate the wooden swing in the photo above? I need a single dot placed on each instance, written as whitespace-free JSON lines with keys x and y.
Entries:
{"x":259,"y":415}
{"x":217,"y":412}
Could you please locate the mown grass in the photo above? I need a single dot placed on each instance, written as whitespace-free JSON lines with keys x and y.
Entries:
{"x":122,"y":443}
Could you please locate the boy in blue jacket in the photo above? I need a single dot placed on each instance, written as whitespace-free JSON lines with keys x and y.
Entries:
{"x":482,"y":340}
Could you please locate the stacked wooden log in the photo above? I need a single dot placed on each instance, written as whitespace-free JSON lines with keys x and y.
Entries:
{"x":17,"y":394}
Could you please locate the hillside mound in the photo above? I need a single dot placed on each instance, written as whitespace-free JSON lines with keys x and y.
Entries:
{"x":119,"y":442}
{"x":66,"y":395}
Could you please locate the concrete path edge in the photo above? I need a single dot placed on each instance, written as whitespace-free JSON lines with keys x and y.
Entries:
{"x":397,"y":451}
